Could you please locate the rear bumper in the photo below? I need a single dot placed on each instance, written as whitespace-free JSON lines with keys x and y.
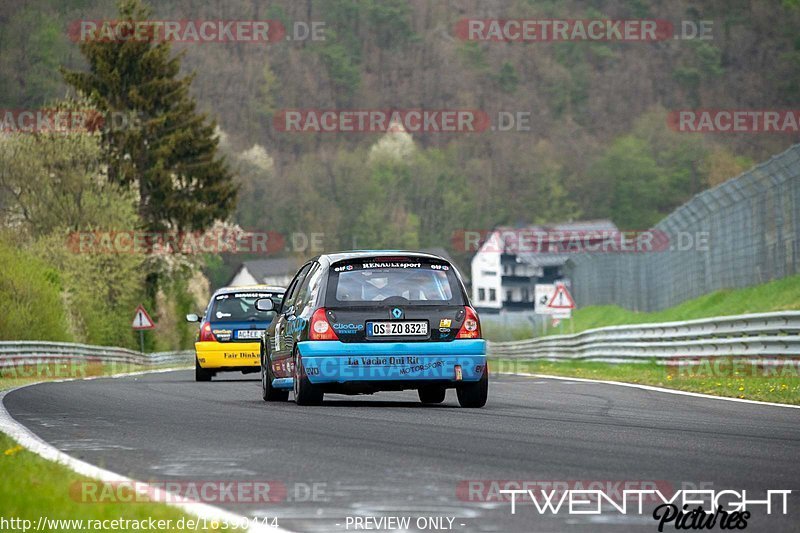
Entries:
{"x":228,"y":355}
{"x":418,"y":362}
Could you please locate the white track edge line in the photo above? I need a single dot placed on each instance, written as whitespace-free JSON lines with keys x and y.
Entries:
{"x":651,"y":388}
{"x":33,"y":443}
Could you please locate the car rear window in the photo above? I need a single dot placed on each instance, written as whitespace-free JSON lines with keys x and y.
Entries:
{"x":240,"y":307}
{"x":374,"y":281}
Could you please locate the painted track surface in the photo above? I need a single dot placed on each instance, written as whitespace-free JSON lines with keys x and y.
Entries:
{"x":387,"y":455}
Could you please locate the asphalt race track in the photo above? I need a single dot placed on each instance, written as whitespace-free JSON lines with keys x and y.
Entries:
{"x":387,"y":455}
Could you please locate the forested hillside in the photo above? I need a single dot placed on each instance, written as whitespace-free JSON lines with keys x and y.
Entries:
{"x":598,"y":144}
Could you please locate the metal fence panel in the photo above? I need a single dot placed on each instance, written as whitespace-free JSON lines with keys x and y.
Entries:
{"x":753,"y":228}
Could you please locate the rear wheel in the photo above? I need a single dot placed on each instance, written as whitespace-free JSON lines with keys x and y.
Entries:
{"x":200,"y":373}
{"x":304,"y":392}
{"x":474,"y":394}
{"x":268,"y":392}
{"x":431,"y":394}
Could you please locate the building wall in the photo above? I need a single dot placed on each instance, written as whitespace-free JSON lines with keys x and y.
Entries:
{"x":486,"y":280}
{"x":280,"y":280}
{"x":243,"y":277}
{"x":518,"y":293}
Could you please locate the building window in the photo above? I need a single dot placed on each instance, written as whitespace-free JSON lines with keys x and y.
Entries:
{"x":508,"y":296}
{"x":551,"y":273}
{"x":481,"y":295}
{"x":525,"y":296}
{"x":492,"y":295}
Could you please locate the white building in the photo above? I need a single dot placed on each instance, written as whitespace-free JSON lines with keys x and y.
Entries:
{"x":511,"y":261}
{"x":276,"y":272}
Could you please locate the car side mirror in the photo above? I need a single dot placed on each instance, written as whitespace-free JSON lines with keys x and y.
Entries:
{"x":192,"y":317}
{"x":265,"y":304}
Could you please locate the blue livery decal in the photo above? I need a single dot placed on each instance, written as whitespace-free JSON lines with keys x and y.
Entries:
{"x":337,"y":362}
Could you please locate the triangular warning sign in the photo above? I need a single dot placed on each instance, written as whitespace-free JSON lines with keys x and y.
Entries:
{"x":561,"y":299}
{"x":141,"y":320}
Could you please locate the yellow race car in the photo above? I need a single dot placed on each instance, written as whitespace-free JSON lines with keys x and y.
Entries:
{"x":231,"y":329}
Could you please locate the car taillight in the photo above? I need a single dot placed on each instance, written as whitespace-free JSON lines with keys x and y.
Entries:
{"x":471,"y":328}
{"x":206,"y":334}
{"x":321,"y":329}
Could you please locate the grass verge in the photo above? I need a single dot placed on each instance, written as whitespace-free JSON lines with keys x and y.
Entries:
{"x":32,"y":487}
{"x":778,"y":295}
{"x":719,"y":377}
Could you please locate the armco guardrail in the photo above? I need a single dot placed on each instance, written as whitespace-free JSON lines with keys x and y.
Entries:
{"x":758,"y":335}
{"x":38,"y":352}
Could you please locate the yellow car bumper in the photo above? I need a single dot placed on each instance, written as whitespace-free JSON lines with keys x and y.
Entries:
{"x":229,"y":354}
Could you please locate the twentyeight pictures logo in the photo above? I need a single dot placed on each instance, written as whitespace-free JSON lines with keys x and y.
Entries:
{"x":681,"y":509}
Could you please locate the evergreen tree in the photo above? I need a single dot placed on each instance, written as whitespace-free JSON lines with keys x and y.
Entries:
{"x":169,"y":151}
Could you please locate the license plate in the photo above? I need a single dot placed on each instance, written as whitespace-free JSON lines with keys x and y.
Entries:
{"x":418,"y":328}
{"x":249,"y":333}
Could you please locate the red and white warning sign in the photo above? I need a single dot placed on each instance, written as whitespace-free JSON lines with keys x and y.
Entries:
{"x":554,"y":300}
{"x":141,"y":320}
{"x":561,"y":298}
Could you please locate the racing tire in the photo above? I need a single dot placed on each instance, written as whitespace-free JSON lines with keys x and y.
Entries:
{"x":305,"y":393}
{"x":474,"y":395}
{"x":268,"y":392}
{"x":430,"y":394}
{"x":200,"y":373}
